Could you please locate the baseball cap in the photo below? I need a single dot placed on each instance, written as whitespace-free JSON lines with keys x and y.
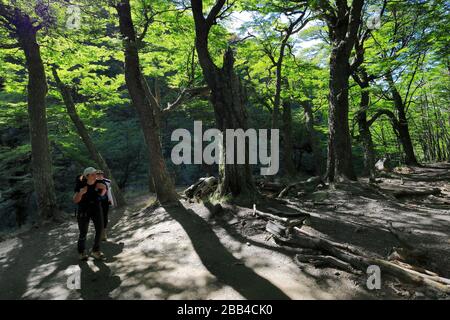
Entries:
{"x":89,"y":170}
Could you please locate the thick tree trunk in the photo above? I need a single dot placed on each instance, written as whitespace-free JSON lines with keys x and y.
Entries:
{"x":343,"y":31}
{"x":403,"y":129}
{"x":367,"y":144}
{"x":37,"y":91}
{"x":288,"y":147}
{"x":364,"y":129}
{"x":86,"y":138}
{"x":165,"y":189}
{"x":227,"y":98}
{"x":340,"y":163}
{"x":313,"y":138}
{"x":405,"y":140}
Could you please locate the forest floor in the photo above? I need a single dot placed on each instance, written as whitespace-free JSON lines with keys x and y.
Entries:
{"x":189,"y":252}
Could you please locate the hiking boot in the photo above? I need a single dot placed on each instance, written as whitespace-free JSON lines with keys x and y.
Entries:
{"x":83,"y":256}
{"x":98,"y":255}
{"x":104,"y":237}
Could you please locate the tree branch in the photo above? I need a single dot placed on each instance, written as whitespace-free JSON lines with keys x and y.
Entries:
{"x":214,"y":13}
{"x":186,"y":95}
{"x":9,"y":46}
{"x":386,"y":112}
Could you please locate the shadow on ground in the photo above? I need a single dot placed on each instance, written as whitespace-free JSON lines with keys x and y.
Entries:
{"x":219,"y":261}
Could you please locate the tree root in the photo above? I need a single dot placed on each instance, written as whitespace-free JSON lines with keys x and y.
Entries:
{"x":346,"y":257}
{"x":320,"y":261}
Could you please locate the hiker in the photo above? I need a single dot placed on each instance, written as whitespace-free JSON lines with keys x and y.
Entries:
{"x":87,"y":196}
{"x":106,"y":201}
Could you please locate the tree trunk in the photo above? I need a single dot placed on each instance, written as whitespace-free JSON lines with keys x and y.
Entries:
{"x":343,"y":31}
{"x":340,"y":163}
{"x":287,"y":140}
{"x":228,"y":101}
{"x":165,"y":189}
{"x":313,"y":138}
{"x":364,"y":128}
{"x":37,"y":91}
{"x":86,"y":138}
{"x":403,"y":129}
{"x":227,"y":98}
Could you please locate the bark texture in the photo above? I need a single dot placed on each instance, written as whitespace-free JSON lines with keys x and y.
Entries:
{"x":42,"y":171}
{"x":146,"y":109}
{"x":227,"y":98}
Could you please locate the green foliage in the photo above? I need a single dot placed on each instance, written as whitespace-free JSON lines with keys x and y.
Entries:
{"x":412,"y":43}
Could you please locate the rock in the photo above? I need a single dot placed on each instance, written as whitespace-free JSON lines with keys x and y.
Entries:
{"x":312,"y":183}
{"x":419,"y":295}
{"x":383,"y":165}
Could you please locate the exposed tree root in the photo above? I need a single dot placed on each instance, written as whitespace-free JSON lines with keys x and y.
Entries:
{"x":321,"y":261}
{"x":281,"y":224}
{"x":309,"y":185}
{"x":202,"y":188}
{"x":400,"y":192}
{"x":346,"y":257}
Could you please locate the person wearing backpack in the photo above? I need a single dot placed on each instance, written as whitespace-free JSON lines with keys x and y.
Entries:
{"x":88,"y":195}
{"x":106,"y":201}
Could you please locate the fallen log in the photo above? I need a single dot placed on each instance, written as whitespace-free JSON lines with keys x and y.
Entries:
{"x":202,"y":188}
{"x":280,"y":225}
{"x":309,"y":185}
{"x":282,"y":216}
{"x":271,"y":186}
{"x":299,"y":212}
{"x":400,"y":192}
{"x":320,"y":261}
{"x":361,"y":261}
{"x":270,"y":216}
{"x":285,"y":191}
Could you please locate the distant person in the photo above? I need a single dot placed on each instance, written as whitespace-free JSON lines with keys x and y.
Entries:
{"x":106,"y":201}
{"x":88,"y":195}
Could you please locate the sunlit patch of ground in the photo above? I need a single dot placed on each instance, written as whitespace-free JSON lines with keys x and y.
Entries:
{"x":187,"y":252}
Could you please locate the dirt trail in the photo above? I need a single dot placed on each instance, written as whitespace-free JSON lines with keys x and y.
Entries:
{"x":184,"y":252}
{"x":151,"y":256}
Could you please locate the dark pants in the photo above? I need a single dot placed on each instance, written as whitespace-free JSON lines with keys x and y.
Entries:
{"x":85,"y":215}
{"x":105,"y":209}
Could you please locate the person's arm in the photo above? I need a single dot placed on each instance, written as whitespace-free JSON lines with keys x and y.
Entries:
{"x":78,"y":195}
{"x":102,"y":188}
